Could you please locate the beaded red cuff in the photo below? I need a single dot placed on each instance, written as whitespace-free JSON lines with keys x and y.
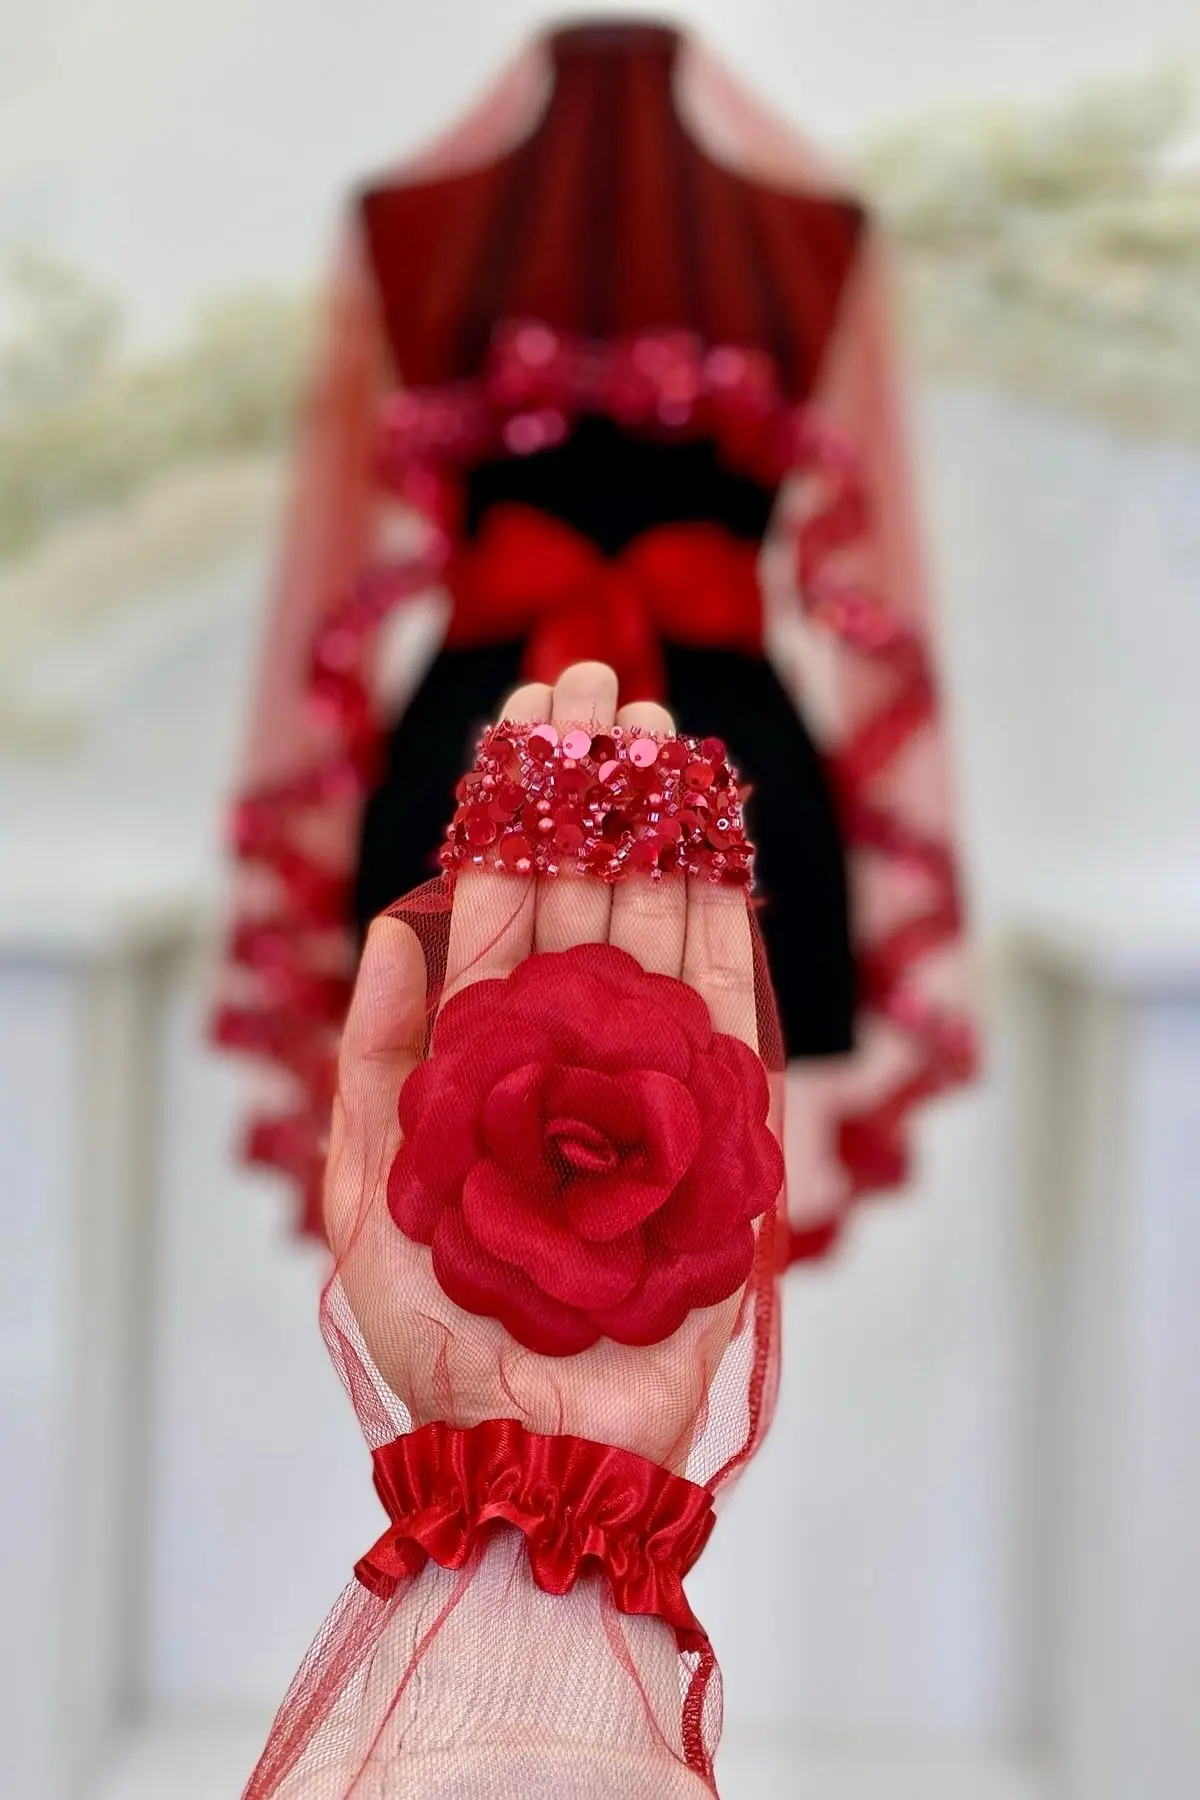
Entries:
{"x":608,"y":802}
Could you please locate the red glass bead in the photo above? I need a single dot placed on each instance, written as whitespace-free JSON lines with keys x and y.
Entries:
{"x":643,"y":855}
{"x":573,"y":784}
{"x":514,"y":850}
{"x":542,"y":743}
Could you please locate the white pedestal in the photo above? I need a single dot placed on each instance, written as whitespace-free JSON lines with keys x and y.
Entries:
{"x":1121,"y":1053}
{"x":1114,"y":1064}
{"x":80,"y":991}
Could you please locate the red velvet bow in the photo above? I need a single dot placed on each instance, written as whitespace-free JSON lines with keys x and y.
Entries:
{"x":528,"y":575}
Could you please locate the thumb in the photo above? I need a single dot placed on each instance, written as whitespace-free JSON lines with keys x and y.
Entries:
{"x":380,"y":1045}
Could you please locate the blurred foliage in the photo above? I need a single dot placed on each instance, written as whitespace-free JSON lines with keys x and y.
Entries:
{"x":83,"y":423}
{"x":1056,"y":252}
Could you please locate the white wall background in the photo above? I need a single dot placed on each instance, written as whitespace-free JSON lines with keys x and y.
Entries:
{"x":176,"y":145}
{"x":880,"y":1570}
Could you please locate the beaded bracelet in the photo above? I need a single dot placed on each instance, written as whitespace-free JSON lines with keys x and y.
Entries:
{"x":607,"y":802}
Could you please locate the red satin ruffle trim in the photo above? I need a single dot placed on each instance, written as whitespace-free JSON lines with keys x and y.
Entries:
{"x":578,"y":1504}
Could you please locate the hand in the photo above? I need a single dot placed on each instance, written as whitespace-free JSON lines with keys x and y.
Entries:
{"x":444,"y":1363}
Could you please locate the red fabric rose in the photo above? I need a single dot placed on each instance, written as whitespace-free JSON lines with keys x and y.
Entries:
{"x":583,"y":1153}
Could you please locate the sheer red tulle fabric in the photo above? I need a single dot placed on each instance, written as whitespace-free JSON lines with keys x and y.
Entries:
{"x":554,"y":1198}
{"x":840,"y":606}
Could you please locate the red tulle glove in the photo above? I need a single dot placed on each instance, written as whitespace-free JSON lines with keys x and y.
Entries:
{"x":552,"y":1196}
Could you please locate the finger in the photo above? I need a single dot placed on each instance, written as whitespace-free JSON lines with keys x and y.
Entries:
{"x":491,"y":924}
{"x":380,"y":1044}
{"x":648,"y":916}
{"x":718,"y":956}
{"x":573,"y":908}
{"x":386,"y":1020}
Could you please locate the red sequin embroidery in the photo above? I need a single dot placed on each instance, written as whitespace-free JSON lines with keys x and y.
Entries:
{"x":610,"y":804}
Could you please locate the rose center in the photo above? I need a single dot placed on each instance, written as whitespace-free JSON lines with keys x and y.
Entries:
{"x":577,"y":1148}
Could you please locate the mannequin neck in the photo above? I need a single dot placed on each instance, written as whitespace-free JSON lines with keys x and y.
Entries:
{"x":596,"y":51}
{"x":601,"y":37}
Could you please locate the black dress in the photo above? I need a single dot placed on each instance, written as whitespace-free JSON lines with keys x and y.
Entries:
{"x":611,"y":486}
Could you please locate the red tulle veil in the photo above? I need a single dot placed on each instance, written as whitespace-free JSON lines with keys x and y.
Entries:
{"x":808,"y":406}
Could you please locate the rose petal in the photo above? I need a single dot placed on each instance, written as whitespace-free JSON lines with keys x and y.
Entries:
{"x":463,"y":1017}
{"x":438,"y":1122}
{"x":653,"y":1119}
{"x":579,"y":1150}
{"x":763,"y":1165}
{"x":677,"y":1285}
{"x":737,"y":1172}
{"x":411,"y":1204}
{"x":684,"y":1006}
{"x":511,"y":1222}
{"x":596,"y":1002}
{"x":483,"y":1285}
{"x":512,"y":1123}
{"x":624,"y":977}
{"x":670,"y":1128}
{"x":503,"y":1044}
{"x":619,"y":1032}
{"x":611,"y":1103}
{"x":603,"y":1207}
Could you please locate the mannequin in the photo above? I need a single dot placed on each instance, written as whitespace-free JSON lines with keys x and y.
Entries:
{"x":607,"y":220}
{"x":619,"y":344}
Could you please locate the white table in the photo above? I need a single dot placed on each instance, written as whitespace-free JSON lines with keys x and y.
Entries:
{"x":1117,"y":1021}
{"x":81,"y":989}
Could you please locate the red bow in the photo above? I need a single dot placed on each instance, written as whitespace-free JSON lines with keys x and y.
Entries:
{"x":527,"y":575}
